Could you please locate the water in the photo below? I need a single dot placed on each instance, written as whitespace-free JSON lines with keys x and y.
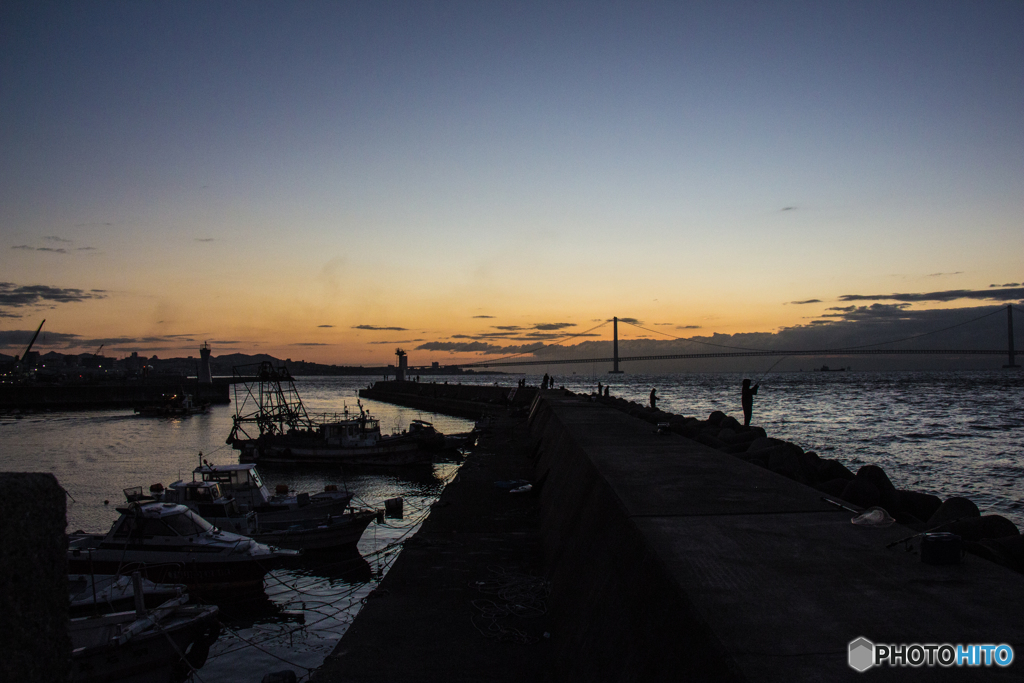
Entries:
{"x":946,"y":433}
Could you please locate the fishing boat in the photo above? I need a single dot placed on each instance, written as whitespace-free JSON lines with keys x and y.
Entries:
{"x":307,"y":527}
{"x":169,"y":543}
{"x":162,"y":645}
{"x":172,"y":405}
{"x":271,"y":425}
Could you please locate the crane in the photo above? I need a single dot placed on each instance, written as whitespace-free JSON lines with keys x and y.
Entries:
{"x":31,"y":343}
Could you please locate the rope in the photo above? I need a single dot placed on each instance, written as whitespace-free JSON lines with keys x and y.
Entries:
{"x":524,"y":595}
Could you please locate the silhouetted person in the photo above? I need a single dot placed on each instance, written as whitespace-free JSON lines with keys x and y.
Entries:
{"x":598,"y":388}
{"x":747,"y":399}
{"x":544,"y":382}
{"x":654,"y":398}
{"x":606,"y":391}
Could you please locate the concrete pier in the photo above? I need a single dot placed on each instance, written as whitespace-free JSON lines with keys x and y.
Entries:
{"x":669,"y":560}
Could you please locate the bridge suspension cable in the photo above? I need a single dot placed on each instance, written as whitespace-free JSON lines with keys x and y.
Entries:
{"x":746,"y":352}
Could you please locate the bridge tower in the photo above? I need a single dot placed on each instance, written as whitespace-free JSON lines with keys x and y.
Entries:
{"x":1009,"y":332}
{"x":615,"y":347}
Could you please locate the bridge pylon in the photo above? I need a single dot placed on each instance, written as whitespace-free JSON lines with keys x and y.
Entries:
{"x":1009,"y":333}
{"x":615,"y":347}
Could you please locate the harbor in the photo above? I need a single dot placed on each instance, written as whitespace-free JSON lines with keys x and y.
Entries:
{"x":616,"y":531}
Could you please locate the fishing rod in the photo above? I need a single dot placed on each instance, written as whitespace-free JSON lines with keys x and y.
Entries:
{"x":770,"y":369}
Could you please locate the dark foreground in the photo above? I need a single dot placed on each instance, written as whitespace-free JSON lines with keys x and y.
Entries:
{"x":666,"y":560}
{"x":442,"y":612}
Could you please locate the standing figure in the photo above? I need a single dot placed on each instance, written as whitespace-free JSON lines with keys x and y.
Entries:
{"x":747,"y":399}
{"x":654,"y":398}
{"x":544,"y":382}
{"x":598,"y":388}
{"x":606,"y":388}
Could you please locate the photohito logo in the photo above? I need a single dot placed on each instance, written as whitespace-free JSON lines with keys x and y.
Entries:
{"x":863,"y":654}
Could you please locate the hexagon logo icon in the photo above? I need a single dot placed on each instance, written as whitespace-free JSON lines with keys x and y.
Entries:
{"x":862,"y":654}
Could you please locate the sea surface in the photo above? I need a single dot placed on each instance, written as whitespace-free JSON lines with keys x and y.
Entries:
{"x":946,"y":433}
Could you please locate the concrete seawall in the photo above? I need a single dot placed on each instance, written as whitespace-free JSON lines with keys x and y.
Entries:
{"x":463,"y":400}
{"x":670,"y":560}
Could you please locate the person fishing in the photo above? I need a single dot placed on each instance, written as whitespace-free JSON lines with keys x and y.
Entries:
{"x":654,"y":398}
{"x":747,"y":400}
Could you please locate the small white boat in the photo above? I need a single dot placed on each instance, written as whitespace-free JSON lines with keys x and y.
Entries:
{"x":169,"y":543}
{"x":164,"y":644}
{"x":302,"y":527}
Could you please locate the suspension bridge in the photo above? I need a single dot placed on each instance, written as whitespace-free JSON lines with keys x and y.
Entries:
{"x":737,"y":352}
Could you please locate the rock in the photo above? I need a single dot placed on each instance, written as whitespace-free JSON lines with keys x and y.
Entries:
{"x":763,"y":442}
{"x":833,"y":469}
{"x":876,"y":475}
{"x":729,"y":422}
{"x":888,"y":496}
{"x":757,"y":432}
{"x":861,"y":493}
{"x":785,"y":460}
{"x":727,"y":435}
{"x":833,"y":487}
{"x":920,"y":505}
{"x":715,"y":418}
{"x":708,"y":440}
{"x":977,"y":528}
{"x":952,"y":509}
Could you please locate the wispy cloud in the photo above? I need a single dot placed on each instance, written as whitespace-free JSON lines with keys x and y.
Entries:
{"x":205,"y":239}
{"x":52,"y":250}
{"x":959,"y":272}
{"x":1008,"y":284}
{"x":688,"y":327}
{"x":310,"y":344}
{"x":54,"y":238}
{"x":809,"y":301}
{"x":483,"y":316}
{"x":325,"y":325}
{"x":398,"y":341}
{"x":1010,"y":294}
{"x":14,"y":296}
{"x":379,"y":328}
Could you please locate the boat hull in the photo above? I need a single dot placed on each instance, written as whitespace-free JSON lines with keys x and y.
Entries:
{"x":337,"y":533}
{"x":180,"y":643}
{"x":203,"y":573}
{"x":309,"y":452}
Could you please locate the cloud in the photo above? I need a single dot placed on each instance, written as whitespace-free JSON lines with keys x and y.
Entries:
{"x":1008,"y":284}
{"x":379,"y":328}
{"x":508,"y":327}
{"x":54,"y":238}
{"x":788,"y":208}
{"x":309,"y":344}
{"x":688,"y":327}
{"x":85,"y":249}
{"x":400,"y":341}
{"x":14,"y":296}
{"x":662,"y":324}
{"x":809,"y":301}
{"x":325,"y":325}
{"x":476,"y":347}
{"x":553,"y":326}
{"x":959,"y":272}
{"x":629,"y":321}
{"x":204,"y":239}
{"x":483,"y":316}
{"x":1012,"y":294}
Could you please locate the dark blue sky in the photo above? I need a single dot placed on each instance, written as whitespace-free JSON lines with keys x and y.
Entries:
{"x":783,"y":151}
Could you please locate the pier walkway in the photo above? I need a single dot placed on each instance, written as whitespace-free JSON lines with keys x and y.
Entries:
{"x":667,"y":560}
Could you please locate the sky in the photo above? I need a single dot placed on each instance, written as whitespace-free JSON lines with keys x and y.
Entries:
{"x":327,"y":181}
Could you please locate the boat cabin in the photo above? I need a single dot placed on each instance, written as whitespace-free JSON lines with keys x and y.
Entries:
{"x":157,"y":521}
{"x":358,"y":432}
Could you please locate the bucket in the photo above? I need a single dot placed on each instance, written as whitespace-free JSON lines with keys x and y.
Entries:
{"x":941,"y":548}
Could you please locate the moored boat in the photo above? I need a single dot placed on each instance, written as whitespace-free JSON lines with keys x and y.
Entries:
{"x":271,"y":425}
{"x":169,"y":543}
{"x":104,"y":593}
{"x":305,"y":527}
{"x":165,"y":644}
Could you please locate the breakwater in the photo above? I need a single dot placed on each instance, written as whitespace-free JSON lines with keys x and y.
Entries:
{"x":462,"y":400}
{"x":120,"y":394}
{"x":672,"y":559}
{"x":703,"y":550}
